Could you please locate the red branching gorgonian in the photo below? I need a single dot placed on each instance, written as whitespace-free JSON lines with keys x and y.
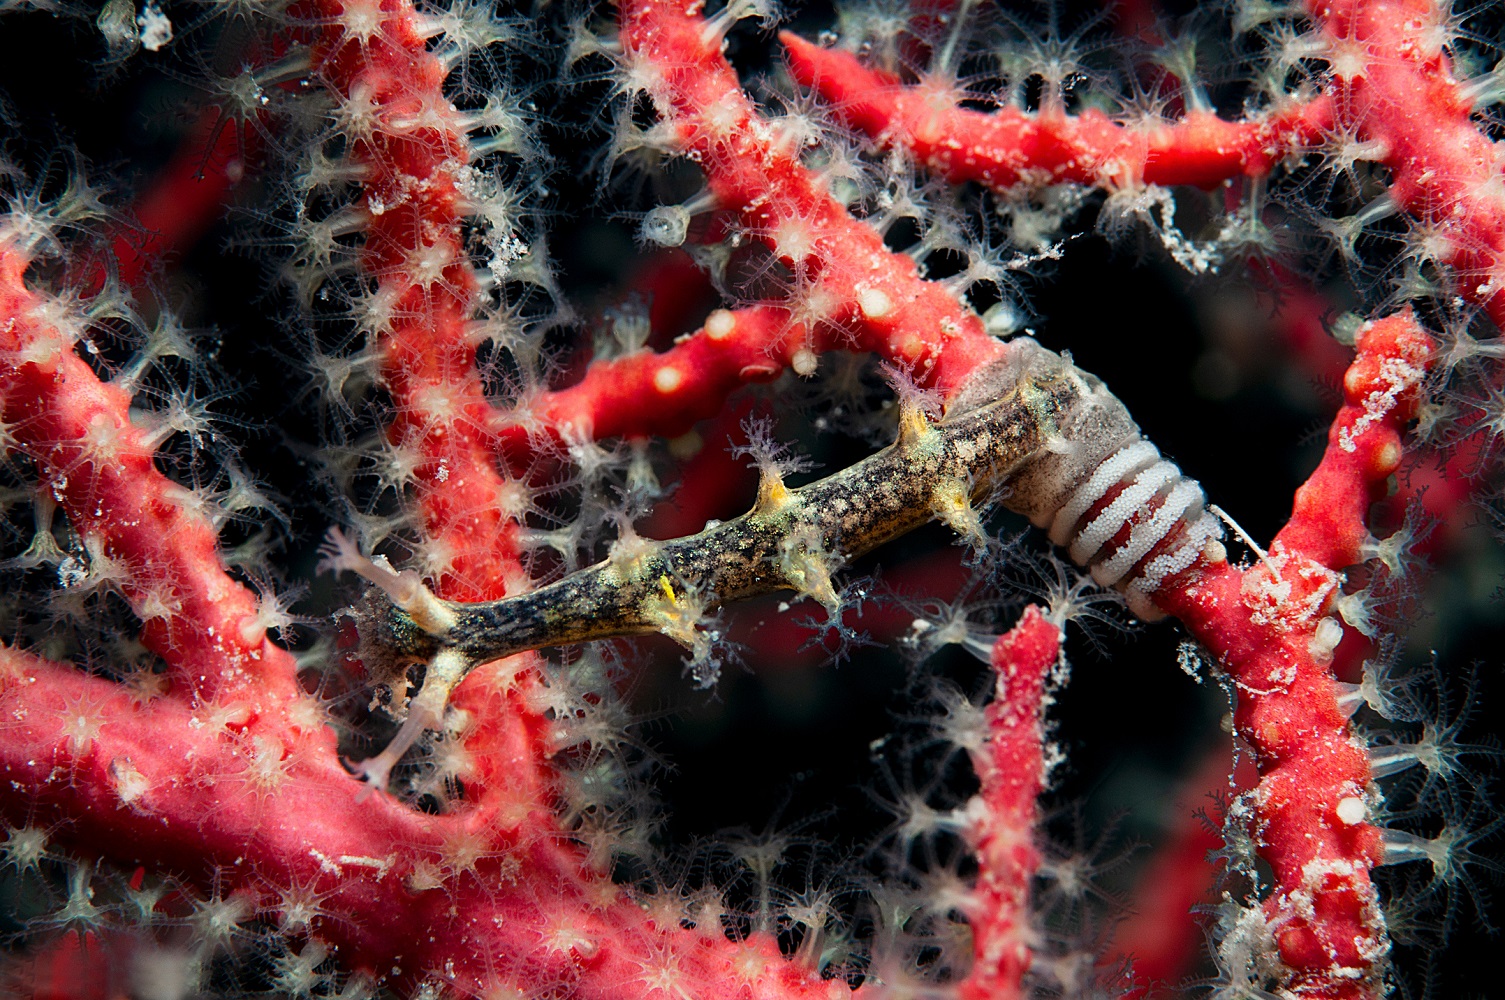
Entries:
{"x":410,"y":797}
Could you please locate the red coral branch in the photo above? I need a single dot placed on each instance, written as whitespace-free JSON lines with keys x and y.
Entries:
{"x":1012,"y":771}
{"x":1009,"y":146}
{"x":411,"y":147}
{"x":848,"y":287}
{"x":1393,"y":84}
{"x":1161,"y":940}
{"x":144,"y":535}
{"x":1270,"y":628}
{"x":185,"y":200}
{"x":502,"y":898}
{"x":665,"y":393}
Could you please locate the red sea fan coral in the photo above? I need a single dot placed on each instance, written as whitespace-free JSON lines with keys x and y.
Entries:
{"x":516,"y":294}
